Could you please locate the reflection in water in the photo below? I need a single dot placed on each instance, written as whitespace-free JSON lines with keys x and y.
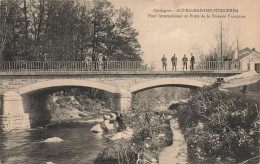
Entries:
{"x":79,"y":145}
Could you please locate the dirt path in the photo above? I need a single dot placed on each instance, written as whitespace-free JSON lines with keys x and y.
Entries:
{"x":177,"y":152}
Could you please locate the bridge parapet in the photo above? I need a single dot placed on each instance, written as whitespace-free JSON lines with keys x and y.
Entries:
{"x":110,"y":82}
{"x":82,"y":66}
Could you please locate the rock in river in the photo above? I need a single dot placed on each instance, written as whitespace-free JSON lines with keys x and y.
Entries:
{"x":96,"y":129}
{"x":53,"y":139}
{"x":127,"y":134}
{"x":113,"y":116}
{"x":108,"y":125}
{"x":106,"y":117}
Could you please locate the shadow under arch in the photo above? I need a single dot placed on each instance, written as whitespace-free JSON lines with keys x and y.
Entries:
{"x":35,"y":96}
{"x":178,"y":82}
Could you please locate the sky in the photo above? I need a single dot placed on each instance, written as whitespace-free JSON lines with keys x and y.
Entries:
{"x":159,"y":36}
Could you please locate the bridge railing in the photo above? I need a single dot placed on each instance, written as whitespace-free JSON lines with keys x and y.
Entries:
{"x":68,"y":66}
{"x":219,"y":65}
{"x":65,"y":66}
{"x":197,"y":66}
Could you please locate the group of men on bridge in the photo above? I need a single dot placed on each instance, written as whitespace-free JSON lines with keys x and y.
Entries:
{"x":96,"y":63}
{"x":174,"y":62}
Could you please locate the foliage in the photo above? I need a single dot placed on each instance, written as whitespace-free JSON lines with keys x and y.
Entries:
{"x":228,"y":47}
{"x":220,"y":127}
{"x":197,"y":52}
{"x":71,"y":102}
{"x":226,"y":44}
{"x":66,"y":30}
{"x":118,"y":151}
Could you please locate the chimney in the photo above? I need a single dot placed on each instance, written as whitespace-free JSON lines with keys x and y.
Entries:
{"x":235,"y":55}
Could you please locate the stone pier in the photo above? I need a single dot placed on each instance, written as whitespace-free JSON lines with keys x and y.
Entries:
{"x":12,"y":116}
{"x":123,"y":101}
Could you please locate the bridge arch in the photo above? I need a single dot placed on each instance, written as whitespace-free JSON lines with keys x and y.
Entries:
{"x":20,"y":113}
{"x":168,"y":82}
{"x":67,"y":82}
{"x":122,"y":97}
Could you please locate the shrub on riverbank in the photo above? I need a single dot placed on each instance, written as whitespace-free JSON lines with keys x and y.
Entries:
{"x":220,"y":127}
{"x":151,"y":133}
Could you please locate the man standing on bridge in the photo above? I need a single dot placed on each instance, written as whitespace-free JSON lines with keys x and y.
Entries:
{"x":192,"y":61}
{"x":164,"y":63}
{"x":104,"y":61}
{"x":174,"y":62}
{"x":184,"y":62}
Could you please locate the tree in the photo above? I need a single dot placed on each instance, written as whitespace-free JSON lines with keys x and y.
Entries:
{"x":225,"y":43}
{"x":66,"y":30}
{"x":11,"y":30}
{"x":126,"y":45}
{"x":3,"y":28}
{"x":197,"y":51}
{"x":113,"y":34}
{"x":37,"y":14}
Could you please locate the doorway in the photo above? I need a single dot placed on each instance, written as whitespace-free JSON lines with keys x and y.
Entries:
{"x":257,"y":67}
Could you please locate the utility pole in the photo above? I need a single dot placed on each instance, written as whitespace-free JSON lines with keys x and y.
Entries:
{"x":237,"y":46}
{"x":221,"y":55}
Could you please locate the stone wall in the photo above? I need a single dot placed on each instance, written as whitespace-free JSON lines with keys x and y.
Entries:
{"x":14,"y":123}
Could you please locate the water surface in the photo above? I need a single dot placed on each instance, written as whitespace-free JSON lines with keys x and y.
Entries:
{"x":79,"y":145}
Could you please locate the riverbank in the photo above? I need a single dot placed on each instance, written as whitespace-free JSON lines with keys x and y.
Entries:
{"x":151,"y":134}
{"x":177,"y":152}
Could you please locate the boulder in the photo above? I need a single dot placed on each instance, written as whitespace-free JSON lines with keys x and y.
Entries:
{"x":108,"y":125}
{"x":153,"y":160}
{"x":106,"y":117}
{"x":146,"y":145}
{"x":113,"y":116}
{"x":169,"y":117}
{"x":53,"y":139}
{"x":199,"y":127}
{"x":94,"y":120}
{"x":161,"y":135}
{"x":96,"y":129}
{"x":150,"y":158}
{"x":127,"y":134}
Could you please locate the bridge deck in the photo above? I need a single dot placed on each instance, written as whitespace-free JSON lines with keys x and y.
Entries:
{"x":209,"y":72}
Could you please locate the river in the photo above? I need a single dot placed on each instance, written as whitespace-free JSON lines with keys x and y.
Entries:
{"x":79,"y":145}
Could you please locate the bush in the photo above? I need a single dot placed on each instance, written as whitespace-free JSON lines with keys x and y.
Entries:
{"x":220,"y":127}
{"x":118,"y":151}
{"x":62,"y":106}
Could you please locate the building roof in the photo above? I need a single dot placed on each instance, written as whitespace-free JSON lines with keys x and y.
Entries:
{"x":246,"y":52}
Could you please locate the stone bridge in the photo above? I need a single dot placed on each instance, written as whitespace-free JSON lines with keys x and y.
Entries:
{"x":23,"y":93}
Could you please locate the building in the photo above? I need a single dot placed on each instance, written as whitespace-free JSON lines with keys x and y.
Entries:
{"x":250,"y":59}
